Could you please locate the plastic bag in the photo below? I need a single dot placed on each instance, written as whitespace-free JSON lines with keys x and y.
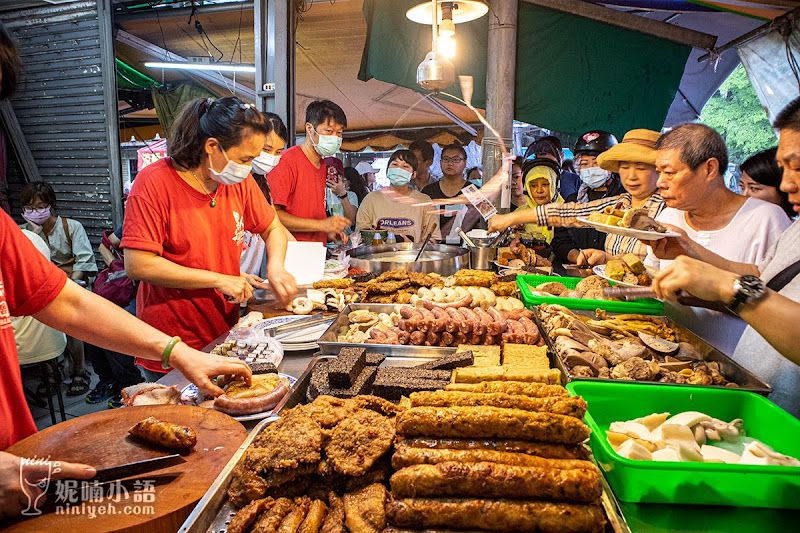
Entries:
{"x":254,"y":335}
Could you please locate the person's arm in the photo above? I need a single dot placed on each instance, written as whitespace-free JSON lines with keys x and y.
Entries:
{"x":85,"y":316}
{"x":147,"y":266}
{"x":773,"y":316}
{"x":105,"y":253}
{"x":553,"y":214}
{"x":281,"y":281}
{"x":294,"y":223}
{"x":85,"y":265}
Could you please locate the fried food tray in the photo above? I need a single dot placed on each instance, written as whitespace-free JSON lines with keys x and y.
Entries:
{"x":213,"y":512}
{"x":329,"y":344}
{"x":732,"y":370}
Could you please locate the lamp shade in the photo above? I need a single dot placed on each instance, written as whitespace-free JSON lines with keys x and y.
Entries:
{"x":463,"y":11}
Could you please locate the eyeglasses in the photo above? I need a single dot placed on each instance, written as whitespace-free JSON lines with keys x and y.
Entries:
{"x":452,"y":159}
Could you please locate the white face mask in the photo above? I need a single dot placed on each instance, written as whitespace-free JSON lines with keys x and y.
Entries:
{"x":327,"y":145}
{"x":265,"y":162}
{"x":232,"y":174}
{"x":594,"y":177}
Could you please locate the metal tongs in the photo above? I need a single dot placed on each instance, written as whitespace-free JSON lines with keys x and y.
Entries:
{"x":497,"y":240}
{"x":424,"y":245}
{"x":300,"y":323}
{"x":465,"y":238}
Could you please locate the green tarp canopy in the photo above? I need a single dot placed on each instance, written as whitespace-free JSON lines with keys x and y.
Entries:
{"x":573,"y":74}
{"x":131,"y":79}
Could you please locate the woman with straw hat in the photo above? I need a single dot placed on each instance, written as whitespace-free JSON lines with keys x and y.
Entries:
{"x":634,"y":160}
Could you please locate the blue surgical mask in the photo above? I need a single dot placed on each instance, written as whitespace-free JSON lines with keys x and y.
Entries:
{"x":594,"y":177}
{"x":398,"y":177}
{"x":265,"y":162}
{"x":232,"y":174}
{"x":328,"y":145}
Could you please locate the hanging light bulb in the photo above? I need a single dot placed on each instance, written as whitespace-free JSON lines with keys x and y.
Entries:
{"x":447,"y":46}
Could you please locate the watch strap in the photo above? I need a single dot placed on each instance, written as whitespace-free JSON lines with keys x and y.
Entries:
{"x":746,"y":288}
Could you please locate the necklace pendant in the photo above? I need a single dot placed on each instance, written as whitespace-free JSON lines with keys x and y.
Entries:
{"x":213,"y":203}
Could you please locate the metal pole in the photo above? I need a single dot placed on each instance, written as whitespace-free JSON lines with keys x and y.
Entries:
{"x":500,"y":80}
{"x":109,"y":73}
{"x":261,"y":22}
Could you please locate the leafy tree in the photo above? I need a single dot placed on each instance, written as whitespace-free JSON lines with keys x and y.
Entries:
{"x":736,"y":113}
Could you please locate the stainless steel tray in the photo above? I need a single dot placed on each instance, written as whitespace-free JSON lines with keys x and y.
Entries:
{"x":328,"y":344}
{"x":440,"y":258}
{"x":213,"y":512}
{"x":732,"y":370}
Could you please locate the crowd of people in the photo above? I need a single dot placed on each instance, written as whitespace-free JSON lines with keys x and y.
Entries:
{"x":203,"y":226}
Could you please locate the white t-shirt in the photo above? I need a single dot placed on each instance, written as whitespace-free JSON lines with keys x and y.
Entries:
{"x":747,"y":238}
{"x":36,"y":342}
{"x":253,"y":250}
{"x":380,"y":209}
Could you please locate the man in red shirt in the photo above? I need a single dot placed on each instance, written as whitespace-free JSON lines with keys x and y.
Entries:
{"x":297,"y":184}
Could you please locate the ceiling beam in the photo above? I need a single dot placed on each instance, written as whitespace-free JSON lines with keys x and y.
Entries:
{"x":791,"y":18}
{"x":127,"y":15}
{"x":156,"y":52}
{"x":622,"y":19}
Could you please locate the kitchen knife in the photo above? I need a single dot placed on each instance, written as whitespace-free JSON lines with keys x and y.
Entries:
{"x":104,"y":475}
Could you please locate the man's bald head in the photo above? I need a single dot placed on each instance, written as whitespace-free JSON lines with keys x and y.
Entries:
{"x":696,"y":144}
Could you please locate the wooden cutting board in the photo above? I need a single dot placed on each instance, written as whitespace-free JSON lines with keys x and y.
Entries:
{"x":101,"y":439}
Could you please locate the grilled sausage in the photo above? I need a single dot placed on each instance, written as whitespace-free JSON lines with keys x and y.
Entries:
{"x":247,"y":406}
{"x":164,"y":433}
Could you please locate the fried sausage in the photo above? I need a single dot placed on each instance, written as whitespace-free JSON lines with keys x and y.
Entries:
{"x":314,"y":518}
{"x":441,"y":319}
{"x":491,"y":422}
{"x":334,"y":521}
{"x":575,"y":406}
{"x":497,"y":480}
{"x":538,"y":390}
{"x":291,"y":522}
{"x":243,"y":520}
{"x":248,"y":406}
{"x":270,"y":520}
{"x":540,"y":449}
{"x":447,"y":338}
{"x":404,"y":456}
{"x":164,"y":433}
{"x":495,"y":515}
{"x":432,"y":338}
{"x":417,"y":338}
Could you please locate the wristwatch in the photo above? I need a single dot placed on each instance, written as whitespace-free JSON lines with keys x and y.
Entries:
{"x":745,"y":290}
{"x":342,"y":197}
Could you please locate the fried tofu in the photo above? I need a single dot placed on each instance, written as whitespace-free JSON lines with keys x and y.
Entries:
{"x":525,"y":356}
{"x":484,"y":355}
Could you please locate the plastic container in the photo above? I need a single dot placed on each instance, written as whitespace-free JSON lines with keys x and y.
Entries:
{"x":645,"y":306}
{"x":693,"y":483}
{"x":390,"y":238}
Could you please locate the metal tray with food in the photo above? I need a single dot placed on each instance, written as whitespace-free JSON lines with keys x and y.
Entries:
{"x":687,"y":348}
{"x":329,"y":343}
{"x":214,"y":512}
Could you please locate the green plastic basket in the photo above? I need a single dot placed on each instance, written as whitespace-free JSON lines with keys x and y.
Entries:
{"x":693,"y":483}
{"x":645,"y":306}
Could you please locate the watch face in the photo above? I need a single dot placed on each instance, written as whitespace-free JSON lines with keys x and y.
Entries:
{"x":751,"y":286}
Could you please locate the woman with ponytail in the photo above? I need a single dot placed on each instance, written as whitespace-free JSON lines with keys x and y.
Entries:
{"x":185,"y":222}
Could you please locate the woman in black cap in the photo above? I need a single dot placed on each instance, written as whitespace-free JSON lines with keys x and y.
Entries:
{"x":761,"y":178}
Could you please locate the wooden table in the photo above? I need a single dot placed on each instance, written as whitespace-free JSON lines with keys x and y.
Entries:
{"x":151,"y":502}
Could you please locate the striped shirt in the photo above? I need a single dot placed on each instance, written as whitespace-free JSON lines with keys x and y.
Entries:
{"x":565,"y":215}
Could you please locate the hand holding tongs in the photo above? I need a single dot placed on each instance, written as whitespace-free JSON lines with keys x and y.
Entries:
{"x":497,"y":240}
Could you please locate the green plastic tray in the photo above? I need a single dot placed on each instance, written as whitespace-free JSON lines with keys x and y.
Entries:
{"x":693,"y":483}
{"x":645,"y":306}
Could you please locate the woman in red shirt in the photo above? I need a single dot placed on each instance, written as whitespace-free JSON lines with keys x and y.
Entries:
{"x":185,"y":221}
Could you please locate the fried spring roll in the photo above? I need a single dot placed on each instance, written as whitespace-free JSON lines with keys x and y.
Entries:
{"x":538,"y":390}
{"x":496,"y":480}
{"x":314,"y":518}
{"x":574,"y":406}
{"x":540,"y":449}
{"x":496,"y":515}
{"x":270,"y":520}
{"x":490,"y":422}
{"x":365,"y":510}
{"x":164,"y":433}
{"x":404,"y":456}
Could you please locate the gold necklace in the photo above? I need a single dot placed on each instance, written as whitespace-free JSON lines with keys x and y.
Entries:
{"x":213,"y":201}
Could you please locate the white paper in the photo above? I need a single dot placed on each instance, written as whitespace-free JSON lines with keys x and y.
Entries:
{"x":305,"y":261}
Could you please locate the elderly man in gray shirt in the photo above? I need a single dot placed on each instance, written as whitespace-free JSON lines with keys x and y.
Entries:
{"x":766,"y":296}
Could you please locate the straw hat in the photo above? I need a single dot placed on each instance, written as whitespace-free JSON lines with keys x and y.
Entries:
{"x":638,"y":146}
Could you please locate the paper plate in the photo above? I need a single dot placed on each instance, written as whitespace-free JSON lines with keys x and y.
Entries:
{"x":600,"y":270}
{"x":191,"y":396}
{"x":628,"y":232}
